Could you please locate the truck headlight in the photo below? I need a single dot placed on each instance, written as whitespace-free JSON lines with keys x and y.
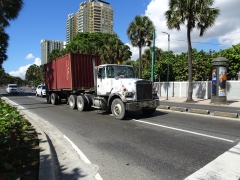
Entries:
{"x":129,"y":94}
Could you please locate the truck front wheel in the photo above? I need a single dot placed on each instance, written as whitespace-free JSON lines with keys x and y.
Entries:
{"x":148,"y":111}
{"x":72,"y":100}
{"x":118,"y":109}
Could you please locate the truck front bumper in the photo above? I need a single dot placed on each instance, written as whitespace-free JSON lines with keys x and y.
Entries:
{"x":135,"y":106}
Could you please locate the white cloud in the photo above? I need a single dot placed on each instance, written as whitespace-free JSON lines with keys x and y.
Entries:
{"x":22,"y":70}
{"x":29,"y":56}
{"x":135,"y":51}
{"x":226,"y":29}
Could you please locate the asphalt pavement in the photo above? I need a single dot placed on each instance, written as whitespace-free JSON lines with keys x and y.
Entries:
{"x":59,"y":159}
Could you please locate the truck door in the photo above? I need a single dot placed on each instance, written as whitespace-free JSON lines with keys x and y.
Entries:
{"x":100,"y":81}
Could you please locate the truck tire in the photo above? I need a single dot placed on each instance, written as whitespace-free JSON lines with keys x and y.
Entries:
{"x":59,"y":99}
{"x":48,"y":97}
{"x":54,"y":98}
{"x":148,"y":111}
{"x":118,"y":109}
{"x":72,"y":100}
{"x":82,"y":103}
{"x":89,"y":101}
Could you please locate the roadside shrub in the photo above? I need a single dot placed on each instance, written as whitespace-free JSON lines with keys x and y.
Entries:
{"x":13,"y":136}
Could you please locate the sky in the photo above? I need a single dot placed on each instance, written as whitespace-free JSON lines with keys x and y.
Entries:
{"x":46,"y":19}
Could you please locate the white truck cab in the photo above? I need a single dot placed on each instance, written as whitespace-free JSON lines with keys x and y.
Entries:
{"x":118,"y":90}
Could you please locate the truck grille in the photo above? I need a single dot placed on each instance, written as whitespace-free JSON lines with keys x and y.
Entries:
{"x":144,"y":90}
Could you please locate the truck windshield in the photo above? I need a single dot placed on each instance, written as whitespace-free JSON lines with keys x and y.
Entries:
{"x":121,"y":71}
{"x":13,"y":86}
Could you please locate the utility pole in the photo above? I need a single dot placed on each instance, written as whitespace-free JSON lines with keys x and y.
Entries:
{"x":168,"y":62}
{"x":153,"y":56}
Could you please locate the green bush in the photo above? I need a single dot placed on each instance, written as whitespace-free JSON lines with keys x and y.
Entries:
{"x":13,"y":135}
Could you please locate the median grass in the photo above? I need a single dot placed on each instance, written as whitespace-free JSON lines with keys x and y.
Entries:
{"x":19,"y":145}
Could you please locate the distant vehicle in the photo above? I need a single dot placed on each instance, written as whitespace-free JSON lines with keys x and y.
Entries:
{"x":33,"y":88}
{"x":41,"y":91}
{"x":12,"y":89}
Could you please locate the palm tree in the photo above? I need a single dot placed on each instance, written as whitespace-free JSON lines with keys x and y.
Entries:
{"x":3,"y":45}
{"x":192,"y":13}
{"x":140,"y":34}
{"x":31,"y":73}
{"x":9,"y":11}
{"x":114,"y":50}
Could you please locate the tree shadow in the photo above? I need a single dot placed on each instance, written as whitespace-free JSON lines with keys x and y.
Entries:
{"x":51,"y":166}
{"x":201,"y":90}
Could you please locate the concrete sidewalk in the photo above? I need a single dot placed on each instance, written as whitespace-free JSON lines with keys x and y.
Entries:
{"x":231,"y":103}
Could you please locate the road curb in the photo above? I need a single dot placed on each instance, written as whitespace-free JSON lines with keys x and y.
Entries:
{"x":225,"y":114}
{"x":163,"y":107}
{"x":199,"y":111}
{"x":181,"y":109}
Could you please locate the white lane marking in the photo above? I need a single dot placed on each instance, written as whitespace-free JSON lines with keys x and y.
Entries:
{"x":225,"y":166}
{"x":186,"y":131}
{"x":82,"y":156}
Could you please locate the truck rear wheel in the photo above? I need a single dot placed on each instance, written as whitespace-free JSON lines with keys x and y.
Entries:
{"x":54,"y":98}
{"x":72,"y":100}
{"x":82,"y":103}
{"x":148,"y":111}
{"x":59,"y":99}
{"x":89,"y":101}
{"x":118,"y":109}
{"x":48,"y":97}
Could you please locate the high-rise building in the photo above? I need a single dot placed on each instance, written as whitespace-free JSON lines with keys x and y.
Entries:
{"x":92,"y":16}
{"x":47,"y":46}
{"x":70,"y":27}
{"x":95,"y":16}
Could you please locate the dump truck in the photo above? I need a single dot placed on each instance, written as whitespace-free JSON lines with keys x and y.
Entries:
{"x":86,"y":84}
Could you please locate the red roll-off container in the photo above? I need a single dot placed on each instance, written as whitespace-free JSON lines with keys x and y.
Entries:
{"x":70,"y":72}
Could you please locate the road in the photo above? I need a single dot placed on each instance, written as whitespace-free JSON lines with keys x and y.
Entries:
{"x":167,"y":145}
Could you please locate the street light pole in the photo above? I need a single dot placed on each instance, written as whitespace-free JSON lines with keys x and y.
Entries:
{"x":153,"y":56}
{"x":168,"y":61}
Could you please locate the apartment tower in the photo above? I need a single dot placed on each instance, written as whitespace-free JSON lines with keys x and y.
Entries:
{"x":47,"y":46}
{"x":71,"y":27}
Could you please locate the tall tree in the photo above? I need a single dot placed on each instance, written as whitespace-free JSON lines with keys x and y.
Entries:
{"x":140,"y":34}
{"x":9,"y":10}
{"x":3,"y":45}
{"x":32,"y":74}
{"x":194,"y":14}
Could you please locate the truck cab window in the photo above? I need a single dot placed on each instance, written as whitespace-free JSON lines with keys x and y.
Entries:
{"x":101,"y":72}
{"x":110,"y":72}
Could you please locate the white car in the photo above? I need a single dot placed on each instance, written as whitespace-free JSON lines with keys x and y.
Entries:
{"x":41,"y":91}
{"x":12,"y":89}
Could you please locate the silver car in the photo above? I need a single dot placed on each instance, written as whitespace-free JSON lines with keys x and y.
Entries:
{"x":12,"y":89}
{"x":41,"y":91}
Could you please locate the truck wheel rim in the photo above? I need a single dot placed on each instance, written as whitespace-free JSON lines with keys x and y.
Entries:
{"x":71,"y":102}
{"x":80,"y":103}
{"x":117,"y":109}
